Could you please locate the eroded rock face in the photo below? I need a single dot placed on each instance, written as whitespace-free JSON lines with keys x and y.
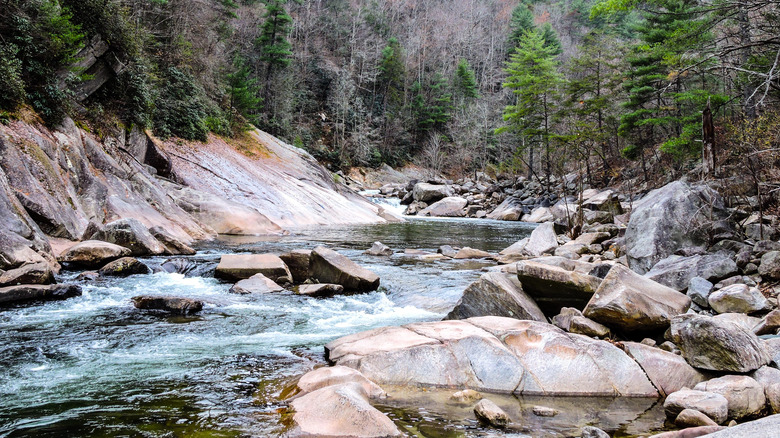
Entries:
{"x":328,"y":266}
{"x":678,"y":215}
{"x":93,"y":254}
{"x":131,"y":234}
{"x":256,"y":284}
{"x":21,"y":293}
{"x":627,"y":301}
{"x":496,"y":294}
{"x":242,"y":266}
{"x":554,"y":287}
{"x":492,"y":354}
{"x":712,"y":344}
{"x":174,"y":305}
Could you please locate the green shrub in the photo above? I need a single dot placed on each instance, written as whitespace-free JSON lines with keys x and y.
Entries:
{"x":180,"y":110}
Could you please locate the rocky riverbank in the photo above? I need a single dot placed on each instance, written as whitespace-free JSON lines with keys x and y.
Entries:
{"x":677,"y":302}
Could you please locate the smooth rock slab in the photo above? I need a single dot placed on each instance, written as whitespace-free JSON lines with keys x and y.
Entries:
{"x":236,"y":267}
{"x":767,"y":427}
{"x":175,"y":305}
{"x":496,"y":294}
{"x":337,"y":375}
{"x":21,"y":293}
{"x":713,"y":405}
{"x":93,"y":254}
{"x":628,"y":301}
{"x":328,"y":266}
{"x":472,"y":253}
{"x":339,"y":411}
{"x":256,"y":284}
{"x":711,"y":344}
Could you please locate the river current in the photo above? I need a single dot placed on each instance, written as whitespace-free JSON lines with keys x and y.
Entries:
{"x":93,"y":366}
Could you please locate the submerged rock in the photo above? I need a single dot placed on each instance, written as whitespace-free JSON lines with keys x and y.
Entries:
{"x":21,"y":293}
{"x":256,"y":284}
{"x":496,"y":294}
{"x":242,"y":266}
{"x":175,"y":305}
{"x":93,"y":254}
{"x":124,"y":267}
{"x":328,"y":266}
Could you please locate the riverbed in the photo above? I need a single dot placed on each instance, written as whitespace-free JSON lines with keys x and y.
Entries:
{"x":95,"y":366}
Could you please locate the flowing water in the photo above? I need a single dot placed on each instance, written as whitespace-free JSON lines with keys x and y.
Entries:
{"x":95,"y":366}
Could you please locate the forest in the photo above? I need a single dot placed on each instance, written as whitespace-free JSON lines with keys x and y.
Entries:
{"x":605,"y":88}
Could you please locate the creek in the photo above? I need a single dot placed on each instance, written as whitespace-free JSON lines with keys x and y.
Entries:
{"x":94,"y":366}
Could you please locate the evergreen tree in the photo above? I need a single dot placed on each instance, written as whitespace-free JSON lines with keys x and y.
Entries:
{"x":275,"y":50}
{"x":243,"y":92}
{"x":392,"y":72}
{"x":465,"y":84}
{"x":521,"y":22}
{"x":432,"y":109}
{"x":534,"y":80}
{"x":551,"y":39}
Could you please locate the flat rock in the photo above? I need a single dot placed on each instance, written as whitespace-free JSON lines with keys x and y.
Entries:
{"x":628,"y":301}
{"x":28,"y":273}
{"x":738,"y":298}
{"x":124,"y":267}
{"x":669,"y":372}
{"x":131,"y":234}
{"x":256,"y":284}
{"x":34,"y":292}
{"x":496,"y":294}
{"x":298,"y":262}
{"x":174,"y":305}
{"x":712,"y":405}
{"x":472,"y":253}
{"x":490,"y":414}
{"x":677,"y":271}
{"x":320,"y":290}
{"x":341,"y":410}
{"x":744,"y":394}
{"x":451,"y":206}
{"x":553,"y":287}
{"x":718,"y":345}
{"x":328,"y":266}
{"x":93,"y":254}
{"x":236,"y":267}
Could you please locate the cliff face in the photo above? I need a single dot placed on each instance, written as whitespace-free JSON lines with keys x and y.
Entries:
{"x":54,"y":183}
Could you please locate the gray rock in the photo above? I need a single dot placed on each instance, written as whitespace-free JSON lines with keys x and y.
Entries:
{"x":378,"y":249}
{"x":490,"y":414}
{"x":763,"y":428}
{"x":131,"y":234}
{"x":424,"y":192}
{"x":553,"y":287}
{"x":451,"y":206}
{"x":769,"y":324}
{"x":699,"y":291}
{"x":678,"y":215}
{"x":669,"y":372}
{"x":677,"y":272}
{"x":448,"y":251}
{"x":738,"y":298}
{"x":764,"y":246}
{"x":124,"y":267}
{"x":496,"y":294}
{"x":328,"y":266}
{"x":234,"y":267}
{"x":542,"y":240}
{"x":712,"y":405}
{"x":320,"y":290}
{"x":718,"y":345}
{"x":28,"y":273}
{"x":593,"y":432}
{"x":692,"y":418}
{"x":770,"y":266}
{"x":174,"y":305}
{"x":35,"y":292}
{"x":172,"y":244}
{"x":745,"y":395}
{"x":509,"y":210}
{"x":256,"y":284}
{"x":298,"y":262}
{"x":93,"y":254}
{"x":627,"y":301}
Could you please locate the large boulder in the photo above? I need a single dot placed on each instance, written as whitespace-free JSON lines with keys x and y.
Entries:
{"x":451,"y":206}
{"x":669,"y":372}
{"x":236,"y":267}
{"x":174,"y":305}
{"x":495,"y":354}
{"x":604,"y":201}
{"x":496,"y":294}
{"x":542,"y":240}
{"x":676,"y":216}
{"x":539,"y":215}
{"x":428,"y":193}
{"x":93,"y":254}
{"x":714,"y":344}
{"x":131,"y":234}
{"x":745,"y":395}
{"x":28,"y":273}
{"x":298,"y":261}
{"x":173,"y":245}
{"x":554,"y":287}
{"x":762,"y":428}
{"x":713,"y":405}
{"x":340,"y":410}
{"x":738,"y":298}
{"x":256,"y":284}
{"x":770,"y":266}
{"x":328,"y":266}
{"x":124,"y":267}
{"x":630,"y":302}
{"x":677,"y":271}
{"x":34,"y":292}
{"x":509,"y":210}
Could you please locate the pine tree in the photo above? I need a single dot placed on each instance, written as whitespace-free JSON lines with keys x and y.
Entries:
{"x":432,"y":108}
{"x":521,"y":22}
{"x":243,"y":92}
{"x":392,"y":72}
{"x":551,"y":39}
{"x":465,"y":84}
{"x":275,"y":50}
{"x":534,"y":80}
